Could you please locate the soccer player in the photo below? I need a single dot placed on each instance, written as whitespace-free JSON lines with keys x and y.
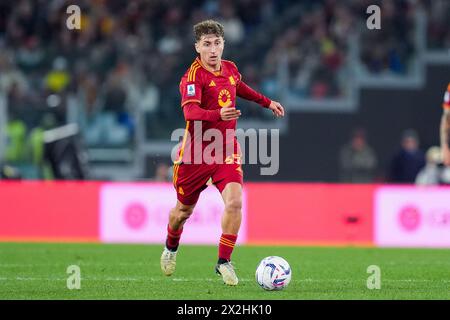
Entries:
{"x":445,"y":128}
{"x":208,"y":97}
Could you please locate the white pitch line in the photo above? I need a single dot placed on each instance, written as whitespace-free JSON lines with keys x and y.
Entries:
{"x":81,"y":264}
{"x":110,"y":279}
{"x":133,"y":279}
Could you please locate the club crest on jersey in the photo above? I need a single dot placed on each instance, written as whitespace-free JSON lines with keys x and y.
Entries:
{"x":232,"y":81}
{"x":191,"y":90}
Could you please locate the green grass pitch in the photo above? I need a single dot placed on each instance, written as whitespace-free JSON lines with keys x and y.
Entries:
{"x":112,"y":271}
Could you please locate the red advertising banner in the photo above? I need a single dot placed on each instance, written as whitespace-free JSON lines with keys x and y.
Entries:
{"x":316,"y":214}
{"x":49,"y":211}
{"x":276,"y":213}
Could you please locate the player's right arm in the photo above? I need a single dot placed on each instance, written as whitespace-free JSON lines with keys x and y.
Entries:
{"x":193,"y":112}
{"x":445,"y":128}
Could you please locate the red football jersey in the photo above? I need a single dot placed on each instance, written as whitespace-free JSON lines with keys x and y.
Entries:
{"x":211,"y":90}
{"x":446,"y":104}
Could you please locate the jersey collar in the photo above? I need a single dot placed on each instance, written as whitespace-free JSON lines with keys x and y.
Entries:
{"x":217,"y":73}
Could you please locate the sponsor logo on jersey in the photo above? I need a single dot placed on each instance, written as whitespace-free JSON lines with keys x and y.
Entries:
{"x":224,"y":98}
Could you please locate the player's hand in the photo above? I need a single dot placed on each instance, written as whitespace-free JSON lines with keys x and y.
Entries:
{"x":277,"y":109}
{"x":229,"y":113}
{"x":446,"y":156}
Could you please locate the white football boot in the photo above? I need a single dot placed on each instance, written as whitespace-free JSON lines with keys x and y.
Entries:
{"x":168,"y":261}
{"x":226,"y":270}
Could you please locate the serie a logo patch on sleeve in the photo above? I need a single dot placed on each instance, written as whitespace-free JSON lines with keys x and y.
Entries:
{"x":191,"y":90}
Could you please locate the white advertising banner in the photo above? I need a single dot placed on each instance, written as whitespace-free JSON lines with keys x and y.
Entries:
{"x":139,"y":213}
{"x":412,"y":216}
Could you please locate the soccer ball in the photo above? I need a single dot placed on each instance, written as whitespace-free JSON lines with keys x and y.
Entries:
{"x":273,"y":273}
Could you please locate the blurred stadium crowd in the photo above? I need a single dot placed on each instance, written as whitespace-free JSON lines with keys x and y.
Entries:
{"x":130,"y":55}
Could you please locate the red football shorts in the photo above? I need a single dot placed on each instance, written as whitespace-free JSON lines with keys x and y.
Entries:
{"x":190,"y":180}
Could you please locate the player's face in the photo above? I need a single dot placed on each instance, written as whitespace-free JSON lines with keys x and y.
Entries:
{"x":210,"y":47}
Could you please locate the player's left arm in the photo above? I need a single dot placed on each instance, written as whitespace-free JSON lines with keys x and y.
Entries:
{"x":244,"y":91}
{"x":445,"y":136}
{"x":445,"y":128}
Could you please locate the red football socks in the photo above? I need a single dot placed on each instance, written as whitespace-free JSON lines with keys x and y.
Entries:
{"x":226,"y":246}
{"x":173,"y":238}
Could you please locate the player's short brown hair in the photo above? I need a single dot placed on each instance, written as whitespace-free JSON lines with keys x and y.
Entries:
{"x":208,"y":27}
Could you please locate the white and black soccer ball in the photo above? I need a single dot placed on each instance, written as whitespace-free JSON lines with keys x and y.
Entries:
{"x":273,"y":273}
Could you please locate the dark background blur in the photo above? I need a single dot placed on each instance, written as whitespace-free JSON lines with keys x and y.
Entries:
{"x":353,"y":95}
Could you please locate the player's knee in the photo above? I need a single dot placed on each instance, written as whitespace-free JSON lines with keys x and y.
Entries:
{"x":184,"y":213}
{"x":233,"y":205}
